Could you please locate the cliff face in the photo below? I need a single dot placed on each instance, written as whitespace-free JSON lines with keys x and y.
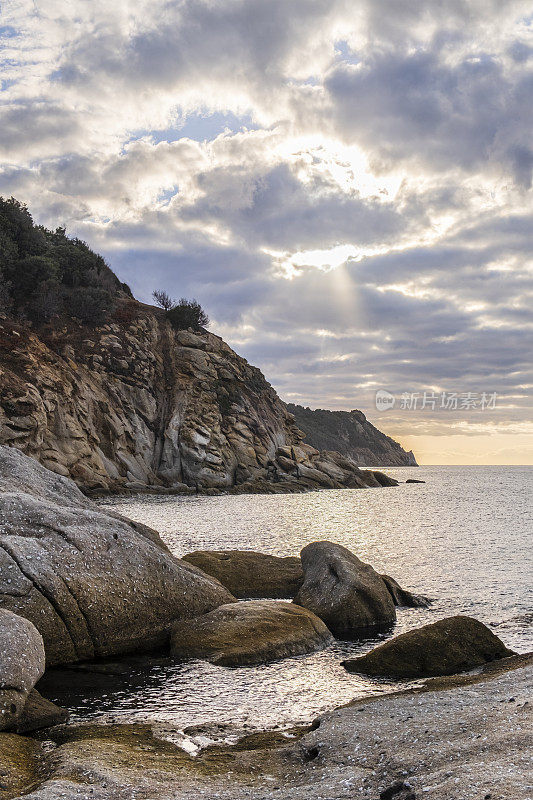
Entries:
{"x":139,"y":404}
{"x":350,"y":433}
{"x":135,"y":403}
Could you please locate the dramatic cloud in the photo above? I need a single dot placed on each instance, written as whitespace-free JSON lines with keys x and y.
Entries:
{"x":346,"y":186}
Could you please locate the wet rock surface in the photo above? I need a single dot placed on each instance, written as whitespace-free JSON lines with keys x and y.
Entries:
{"x":251,"y":575}
{"x":249,"y":632}
{"x":437,"y":741}
{"x":92,"y":583}
{"x":446,"y":647}
{"x":347,"y":594}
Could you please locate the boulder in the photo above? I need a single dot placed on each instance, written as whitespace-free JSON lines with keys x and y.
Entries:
{"x":403,"y":597}
{"x":451,"y":645}
{"x":22,"y":663}
{"x":248,"y":574}
{"x":347,"y":594}
{"x":39,"y":713}
{"x":93,"y":584}
{"x":249,"y":632}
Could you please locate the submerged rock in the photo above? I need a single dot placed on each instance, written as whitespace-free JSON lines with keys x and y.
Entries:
{"x":22,"y":663}
{"x":347,"y":594}
{"x":451,"y":645}
{"x":250,"y":574}
{"x":249,"y":632}
{"x":92,"y":583}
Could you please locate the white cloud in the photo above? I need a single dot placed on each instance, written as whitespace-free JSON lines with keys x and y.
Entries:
{"x":364,"y":220}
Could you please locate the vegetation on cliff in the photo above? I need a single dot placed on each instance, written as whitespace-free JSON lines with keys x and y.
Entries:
{"x":46,"y":274}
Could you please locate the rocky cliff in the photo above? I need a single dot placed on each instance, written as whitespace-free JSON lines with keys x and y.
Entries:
{"x":136,"y":403}
{"x":350,"y":433}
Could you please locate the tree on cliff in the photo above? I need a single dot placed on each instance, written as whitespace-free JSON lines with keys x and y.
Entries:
{"x":183,"y":313}
{"x":46,"y":274}
{"x":188,"y":314}
{"x":163,"y":299}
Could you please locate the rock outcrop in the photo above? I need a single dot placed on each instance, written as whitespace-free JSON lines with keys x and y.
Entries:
{"x":135,"y":404}
{"x":451,"y":645}
{"x":352,"y":435}
{"x":247,"y":574}
{"x":347,"y":594}
{"x":249,"y":632}
{"x":22,"y":663}
{"x":92,"y":583}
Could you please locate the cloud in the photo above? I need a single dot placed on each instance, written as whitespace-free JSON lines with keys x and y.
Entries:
{"x":345,"y":186}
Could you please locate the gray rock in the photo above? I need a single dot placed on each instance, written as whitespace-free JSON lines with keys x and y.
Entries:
{"x":347,"y":594}
{"x":92,"y":583}
{"x":249,"y":632}
{"x":39,"y":713}
{"x":248,"y":574}
{"x":451,"y":645}
{"x":22,"y":663}
{"x":403,"y":597}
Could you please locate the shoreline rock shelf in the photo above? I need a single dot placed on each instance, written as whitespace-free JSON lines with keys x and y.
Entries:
{"x":451,"y":739}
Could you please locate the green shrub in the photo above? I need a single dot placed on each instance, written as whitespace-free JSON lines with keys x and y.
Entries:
{"x":187,"y":314}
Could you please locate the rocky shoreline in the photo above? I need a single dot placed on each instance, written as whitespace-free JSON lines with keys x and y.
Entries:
{"x":80,"y":584}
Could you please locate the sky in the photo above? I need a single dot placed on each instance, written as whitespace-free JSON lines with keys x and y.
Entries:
{"x":345,"y":186}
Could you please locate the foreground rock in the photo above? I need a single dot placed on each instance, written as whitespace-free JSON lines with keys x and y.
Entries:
{"x":249,"y":632}
{"x":92,"y":583}
{"x":347,"y":594}
{"x":248,"y":574}
{"x":22,"y":663}
{"x":451,"y":645}
{"x":453,"y":739}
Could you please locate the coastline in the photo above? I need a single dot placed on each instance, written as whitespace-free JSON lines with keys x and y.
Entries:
{"x":450,"y":739}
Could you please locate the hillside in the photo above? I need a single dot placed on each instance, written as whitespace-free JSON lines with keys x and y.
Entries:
{"x":351,"y":434}
{"x":120,"y":395}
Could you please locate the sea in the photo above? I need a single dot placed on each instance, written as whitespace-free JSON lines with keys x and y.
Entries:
{"x":462,"y":538}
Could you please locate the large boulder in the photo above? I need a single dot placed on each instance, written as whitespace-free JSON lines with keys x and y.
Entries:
{"x":93,"y":584}
{"x":249,"y":574}
{"x":249,"y":632}
{"x":22,"y":663}
{"x":451,"y":645}
{"x":347,"y":594}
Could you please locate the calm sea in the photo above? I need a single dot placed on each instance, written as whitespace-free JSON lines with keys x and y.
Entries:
{"x":463,"y":538}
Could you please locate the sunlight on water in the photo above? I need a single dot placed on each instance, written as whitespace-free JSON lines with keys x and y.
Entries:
{"x":463,"y":538}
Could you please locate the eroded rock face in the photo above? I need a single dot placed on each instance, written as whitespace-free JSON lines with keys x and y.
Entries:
{"x":451,"y":645}
{"x":251,"y":575}
{"x":350,"y":433}
{"x":138,"y":404}
{"x":347,"y":594}
{"x":22,"y":663}
{"x":92,"y":583}
{"x":250,"y":632}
